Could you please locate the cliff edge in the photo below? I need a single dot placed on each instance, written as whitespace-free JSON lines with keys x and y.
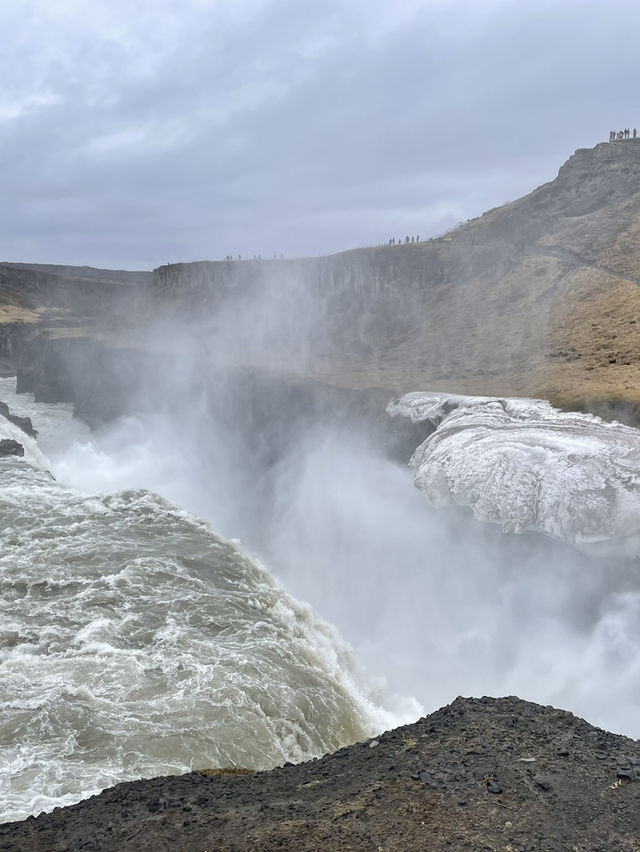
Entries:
{"x":539,"y":297}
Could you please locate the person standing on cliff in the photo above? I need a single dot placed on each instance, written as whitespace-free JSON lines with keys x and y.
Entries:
{"x":635,"y":133}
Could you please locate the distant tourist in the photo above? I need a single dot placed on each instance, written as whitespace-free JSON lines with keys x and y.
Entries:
{"x":617,"y":135}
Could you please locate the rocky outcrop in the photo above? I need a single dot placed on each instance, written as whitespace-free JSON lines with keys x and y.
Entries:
{"x":100,"y":380}
{"x":478,"y":774}
{"x":23,"y":423}
{"x":10,"y":448}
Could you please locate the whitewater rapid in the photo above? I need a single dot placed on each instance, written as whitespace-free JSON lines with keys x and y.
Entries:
{"x":136,"y":642}
{"x":140,"y":639}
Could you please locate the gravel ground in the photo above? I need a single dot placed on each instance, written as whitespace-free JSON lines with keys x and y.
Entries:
{"x":480,"y":774}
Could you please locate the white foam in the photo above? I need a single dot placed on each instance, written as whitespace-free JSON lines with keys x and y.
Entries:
{"x":137,"y":643}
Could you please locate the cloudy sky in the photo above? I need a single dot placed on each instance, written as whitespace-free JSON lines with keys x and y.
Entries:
{"x":136,"y":134}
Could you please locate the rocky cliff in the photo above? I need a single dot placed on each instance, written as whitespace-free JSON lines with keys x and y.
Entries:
{"x":65,"y":331}
{"x":539,"y":298}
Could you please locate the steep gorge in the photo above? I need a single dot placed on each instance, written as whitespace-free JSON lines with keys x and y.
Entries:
{"x":539,"y":297}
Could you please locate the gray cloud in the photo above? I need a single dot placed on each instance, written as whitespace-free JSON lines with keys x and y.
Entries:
{"x":193,"y":129}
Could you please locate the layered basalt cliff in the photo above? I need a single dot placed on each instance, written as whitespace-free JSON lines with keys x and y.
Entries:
{"x":537,"y":298}
{"x":63,"y":333}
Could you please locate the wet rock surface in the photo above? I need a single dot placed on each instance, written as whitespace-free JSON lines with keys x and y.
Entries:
{"x":23,"y":423}
{"x":10,"y":448}
{"x":490,"y":774}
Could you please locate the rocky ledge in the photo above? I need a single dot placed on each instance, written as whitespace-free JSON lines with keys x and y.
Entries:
{"x":480,"y":774}
{"x":10,"y":448}
{"x":23,"y":423}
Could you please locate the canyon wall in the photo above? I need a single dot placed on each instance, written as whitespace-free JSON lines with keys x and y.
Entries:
{"x":539,"y":297}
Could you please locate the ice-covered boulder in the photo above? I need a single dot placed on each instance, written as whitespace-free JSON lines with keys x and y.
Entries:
{"x":527,"y":466}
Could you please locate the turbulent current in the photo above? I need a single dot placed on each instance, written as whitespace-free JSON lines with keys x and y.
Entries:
{"x":136,"y":640}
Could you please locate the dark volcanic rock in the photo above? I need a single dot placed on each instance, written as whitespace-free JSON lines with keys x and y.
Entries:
{"x":23,"y":423}
{"x":496,"y":774}
{"x":10,"y":448}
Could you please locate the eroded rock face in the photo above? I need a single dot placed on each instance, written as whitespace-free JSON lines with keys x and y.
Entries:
{"x":10,"y":448}
{"x":539,"y":297}
{"x":23,"y":423}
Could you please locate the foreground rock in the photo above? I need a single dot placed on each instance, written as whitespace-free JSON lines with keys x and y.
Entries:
{"x":494,"y":774}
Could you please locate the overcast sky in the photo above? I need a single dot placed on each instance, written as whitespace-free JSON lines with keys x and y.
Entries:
{"x":136,"y":134}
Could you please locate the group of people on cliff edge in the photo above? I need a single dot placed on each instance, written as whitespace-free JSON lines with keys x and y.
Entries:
{"x":615,"y":135}
{"x":399,"y":242}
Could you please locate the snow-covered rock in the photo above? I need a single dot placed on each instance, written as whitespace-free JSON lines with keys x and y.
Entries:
{"x":527,"y":466}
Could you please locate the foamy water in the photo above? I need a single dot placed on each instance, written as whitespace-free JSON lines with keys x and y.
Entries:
{"x":139,"y":641}
{"x":136,"y":642}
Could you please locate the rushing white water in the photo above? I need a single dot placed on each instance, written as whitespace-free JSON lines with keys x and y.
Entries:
{"x":527,"y":466}
{"x":135,"y":642}
{"x":123,"y":648}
